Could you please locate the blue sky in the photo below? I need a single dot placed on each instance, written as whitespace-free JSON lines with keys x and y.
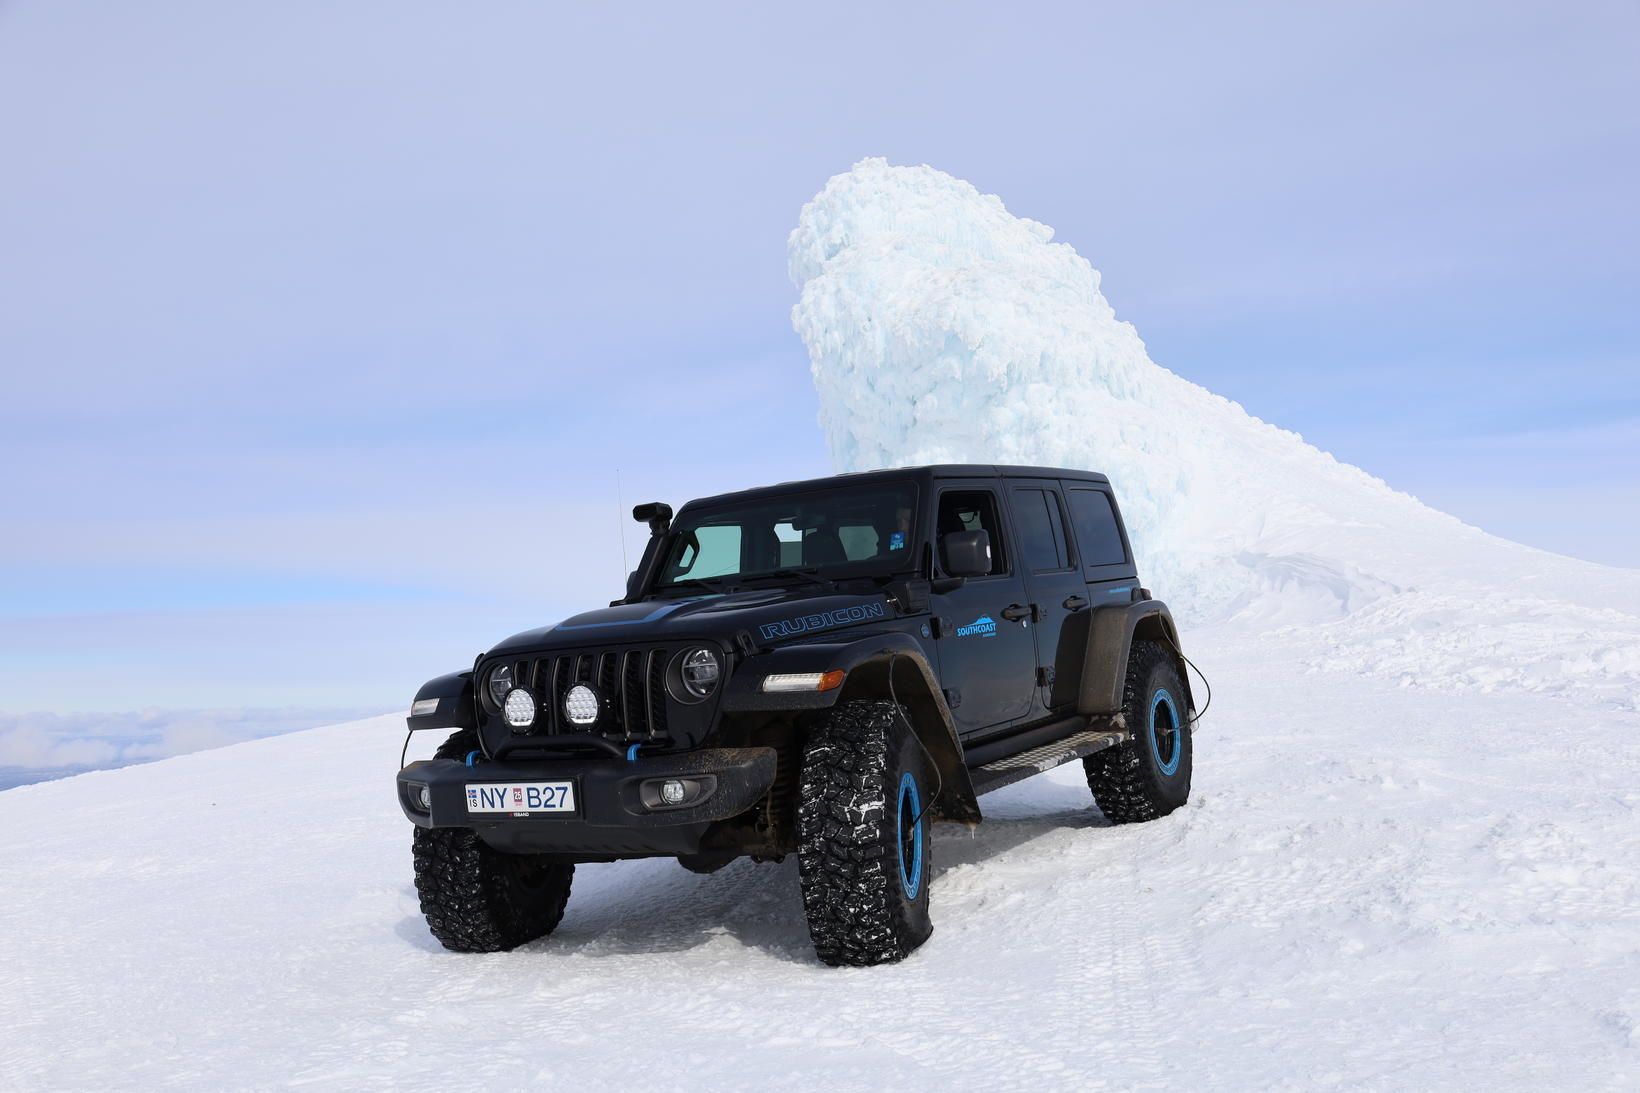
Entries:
{"x":324,"y":328}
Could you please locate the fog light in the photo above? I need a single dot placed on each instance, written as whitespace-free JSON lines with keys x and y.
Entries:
{"x":664,"y":793}
{"x":423,"y":796}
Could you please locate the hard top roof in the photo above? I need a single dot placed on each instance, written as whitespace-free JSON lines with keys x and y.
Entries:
{"x":923,"y":474}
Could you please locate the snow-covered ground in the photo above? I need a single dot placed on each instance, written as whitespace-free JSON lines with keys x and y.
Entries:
{"x":1372,"y":886}
{"x":1411,"y":860}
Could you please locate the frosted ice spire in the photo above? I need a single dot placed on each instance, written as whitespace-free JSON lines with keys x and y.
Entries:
{"x":940,"y":327}
{"x":943,"y":328}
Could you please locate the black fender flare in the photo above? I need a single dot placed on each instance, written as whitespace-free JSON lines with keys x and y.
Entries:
{"x":453,"y":708}
{"x":888,"y":665}
{"x":1111,"y":633}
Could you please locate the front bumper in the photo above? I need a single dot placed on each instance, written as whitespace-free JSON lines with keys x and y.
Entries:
{"x":611,"y":817}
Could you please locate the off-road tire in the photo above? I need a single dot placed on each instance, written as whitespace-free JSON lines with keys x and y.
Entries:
{"x":478,"y":899}
{"x":865,"y":905}
{"x":1131,"y":782}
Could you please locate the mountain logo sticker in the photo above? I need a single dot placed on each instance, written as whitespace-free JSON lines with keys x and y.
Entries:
{"x":982,"y":627}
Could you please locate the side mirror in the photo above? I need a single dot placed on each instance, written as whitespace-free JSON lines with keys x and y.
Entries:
{"x":966,"y":553}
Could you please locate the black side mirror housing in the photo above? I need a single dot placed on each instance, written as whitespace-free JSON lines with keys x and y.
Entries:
{"x":966,"y":553}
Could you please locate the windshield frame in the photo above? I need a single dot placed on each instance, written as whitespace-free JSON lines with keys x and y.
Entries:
{"x":695,"y":515}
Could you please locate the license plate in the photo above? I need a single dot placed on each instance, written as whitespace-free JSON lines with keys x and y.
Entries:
{"x":521,"y":798}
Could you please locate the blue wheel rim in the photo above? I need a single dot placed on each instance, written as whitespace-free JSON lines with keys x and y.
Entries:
{"x":910,"y":828}
{"x":1166,"y":733}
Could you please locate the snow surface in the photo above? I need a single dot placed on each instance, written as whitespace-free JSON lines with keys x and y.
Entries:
{"x":1411,"y":859}
{"x":1370,"y":887}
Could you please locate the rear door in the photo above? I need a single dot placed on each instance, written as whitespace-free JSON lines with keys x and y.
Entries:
{"x":1058,"y":592}
{"x":987,"y":651}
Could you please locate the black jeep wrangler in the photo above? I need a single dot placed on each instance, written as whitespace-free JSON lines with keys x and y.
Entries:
{"x":819,"y":668}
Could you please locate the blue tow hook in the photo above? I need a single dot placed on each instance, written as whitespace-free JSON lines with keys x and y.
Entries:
{"x":472,"y":758}
{"x":632,"y":753}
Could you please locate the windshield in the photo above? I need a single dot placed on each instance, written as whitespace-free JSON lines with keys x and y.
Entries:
{"x":835,"y":533}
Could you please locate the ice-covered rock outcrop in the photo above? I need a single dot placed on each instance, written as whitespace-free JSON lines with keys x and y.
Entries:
{"x":941,"y":327}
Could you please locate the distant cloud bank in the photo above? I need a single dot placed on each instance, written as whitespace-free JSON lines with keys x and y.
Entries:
{"x":36,"y":747}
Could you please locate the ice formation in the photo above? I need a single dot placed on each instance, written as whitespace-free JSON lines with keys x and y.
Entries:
{"x":941,"y":327}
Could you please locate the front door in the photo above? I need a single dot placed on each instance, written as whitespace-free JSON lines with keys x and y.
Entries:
{"x":1058,"y":592}
{"x":986,"y":648}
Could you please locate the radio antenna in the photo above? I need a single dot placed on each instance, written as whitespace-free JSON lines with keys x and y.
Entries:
{"x":620,"y":524}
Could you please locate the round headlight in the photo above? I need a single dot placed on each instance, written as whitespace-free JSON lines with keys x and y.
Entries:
{"x":581,"y":705}
{"x":519,"y":708}
{"x":500,"y":684}
{"x":699,"y":670}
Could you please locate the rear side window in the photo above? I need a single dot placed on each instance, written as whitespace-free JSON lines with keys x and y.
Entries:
{"x":1041,"y":530}
{"x":1096,"y":530}
{"x":973,"y":510}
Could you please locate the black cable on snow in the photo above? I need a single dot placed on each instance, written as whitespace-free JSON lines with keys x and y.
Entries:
{"x":1197,"y":716}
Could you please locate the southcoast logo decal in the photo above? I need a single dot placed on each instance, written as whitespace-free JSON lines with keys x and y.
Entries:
{"x":803,"y":624}
{"x":982,"y":627}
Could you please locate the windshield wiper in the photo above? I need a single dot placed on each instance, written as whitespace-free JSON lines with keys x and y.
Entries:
{"x":708,"y":583}
{"x":807,"y":573}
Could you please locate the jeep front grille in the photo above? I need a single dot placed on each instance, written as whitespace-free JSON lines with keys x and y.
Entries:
{"x":631,"y":686}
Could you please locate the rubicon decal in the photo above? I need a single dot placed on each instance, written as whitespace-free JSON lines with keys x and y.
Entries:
{"x":820,"y":620}
{"x":982,"y":627}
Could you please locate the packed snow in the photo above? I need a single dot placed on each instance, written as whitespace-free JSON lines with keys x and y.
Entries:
{"x":1411,"y":859}
{"x":1370,"y":887}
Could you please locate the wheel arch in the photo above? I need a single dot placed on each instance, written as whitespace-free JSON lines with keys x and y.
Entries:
{"x":888,"y":665}
{"x":1110,"y":642}
{"x":906,"y":678}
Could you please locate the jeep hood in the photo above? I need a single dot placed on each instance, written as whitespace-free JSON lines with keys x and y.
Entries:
{"x":770,"y":615}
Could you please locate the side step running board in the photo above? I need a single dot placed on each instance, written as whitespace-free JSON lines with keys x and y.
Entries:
{"x":1015,"y":768}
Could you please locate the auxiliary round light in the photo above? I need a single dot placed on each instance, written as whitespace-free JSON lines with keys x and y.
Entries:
{"x":519,"y":708}
{"x":700,"y":672}
{"x":581,"y":705}
{"x":673,"y":791}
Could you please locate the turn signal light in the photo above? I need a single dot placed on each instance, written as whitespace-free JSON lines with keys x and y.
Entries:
{"x":786,"y":682}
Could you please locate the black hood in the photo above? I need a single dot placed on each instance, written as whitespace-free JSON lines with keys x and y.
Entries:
{"x":770,"y":615}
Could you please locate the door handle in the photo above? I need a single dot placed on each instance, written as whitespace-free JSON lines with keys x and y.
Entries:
{"x":1075,"y":603}
{"x":1016,"y":612}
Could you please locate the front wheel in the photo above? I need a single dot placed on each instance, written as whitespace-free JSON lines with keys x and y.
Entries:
{"x":476,"y":898}
{"x":864,"y":854}
{"x":1149,"y":776}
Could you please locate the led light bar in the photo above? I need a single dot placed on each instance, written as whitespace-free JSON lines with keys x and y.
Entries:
{"x":788,"y":682}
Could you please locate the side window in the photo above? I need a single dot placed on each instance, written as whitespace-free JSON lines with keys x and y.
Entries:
{"x":718,"y":553}
{"x":1096,"y":530}
{"x":1041,"y":529}
{"x":974,"y":510}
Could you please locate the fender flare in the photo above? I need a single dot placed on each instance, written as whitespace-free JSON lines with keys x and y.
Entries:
{"x":1111,"y":634}
{"x":455,"y":709}
{"x":882,"y":665}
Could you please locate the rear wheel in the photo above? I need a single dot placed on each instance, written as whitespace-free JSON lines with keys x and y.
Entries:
{"x":864,"y":852}
{"x":1149,"y":776}
{"x":478,"y":899}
